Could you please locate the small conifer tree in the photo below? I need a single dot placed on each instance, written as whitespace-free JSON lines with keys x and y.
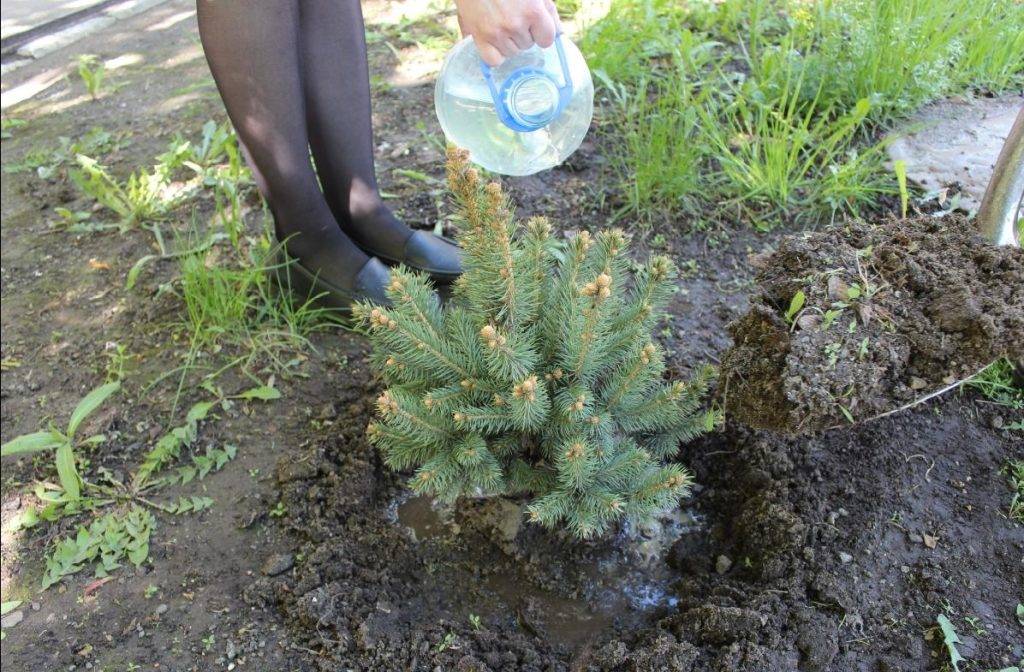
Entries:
{"x":539,"y":378}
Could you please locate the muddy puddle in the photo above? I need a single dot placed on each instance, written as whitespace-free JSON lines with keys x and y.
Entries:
{"x":620,"y":586}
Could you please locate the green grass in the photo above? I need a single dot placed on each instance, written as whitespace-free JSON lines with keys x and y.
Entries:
{"x":903,"y":53}
{"x":775,"y":107}
{"x":1015,"y":472}
{"x":235,"y":316}
{"x":997,"y":384}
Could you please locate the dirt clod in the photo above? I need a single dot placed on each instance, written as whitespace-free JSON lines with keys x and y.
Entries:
{"x":889,"y":312}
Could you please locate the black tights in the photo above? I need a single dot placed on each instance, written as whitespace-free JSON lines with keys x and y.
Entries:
{"x":293,"y":77}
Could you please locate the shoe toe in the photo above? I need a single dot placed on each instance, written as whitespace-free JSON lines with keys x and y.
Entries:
{"x":372,"y":282}
{"x":433,"y":254}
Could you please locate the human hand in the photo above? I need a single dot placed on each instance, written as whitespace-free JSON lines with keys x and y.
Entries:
{"x":503,"y":28}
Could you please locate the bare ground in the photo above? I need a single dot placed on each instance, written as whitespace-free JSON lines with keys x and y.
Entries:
{"x":840,"y":549}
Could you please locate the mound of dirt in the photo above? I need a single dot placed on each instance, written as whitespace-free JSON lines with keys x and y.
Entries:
{"x":863,"y":318}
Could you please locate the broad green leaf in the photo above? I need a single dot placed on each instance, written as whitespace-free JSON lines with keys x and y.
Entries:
{"x":263,"y":392}
{"x":199,"y":411}
{"x":26,"y":519}
{"x":950,"y":639}
{"x":8,"y":607}
{"x":32,"y":443}
{"x":67,"y":472}
{"x":795,"y":305}
{"x":90,"y":403}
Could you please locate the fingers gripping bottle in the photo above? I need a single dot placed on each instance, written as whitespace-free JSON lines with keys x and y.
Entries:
{"x":526,"y":115}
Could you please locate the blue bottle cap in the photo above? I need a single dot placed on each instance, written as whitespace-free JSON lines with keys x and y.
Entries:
{"x":530,"y":98}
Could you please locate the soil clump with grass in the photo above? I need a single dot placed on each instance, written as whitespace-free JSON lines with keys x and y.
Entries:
{"x":863,"y":318}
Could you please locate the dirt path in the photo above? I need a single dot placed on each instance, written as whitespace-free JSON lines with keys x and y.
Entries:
{"x":299,"y":564}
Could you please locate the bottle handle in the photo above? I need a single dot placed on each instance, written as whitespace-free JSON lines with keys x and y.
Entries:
{"x":500,"y":95}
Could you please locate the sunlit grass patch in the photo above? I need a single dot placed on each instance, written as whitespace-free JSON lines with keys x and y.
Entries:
{"x":777,"y":106}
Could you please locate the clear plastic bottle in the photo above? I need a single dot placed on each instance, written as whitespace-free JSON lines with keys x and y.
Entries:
{"x":526,"y":115}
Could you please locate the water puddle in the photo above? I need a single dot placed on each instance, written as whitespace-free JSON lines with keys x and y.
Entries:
{"x":627,"y":582}
{"x":420,"y":515}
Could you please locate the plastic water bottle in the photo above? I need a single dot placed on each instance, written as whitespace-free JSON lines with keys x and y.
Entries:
{"x":525,"y":115}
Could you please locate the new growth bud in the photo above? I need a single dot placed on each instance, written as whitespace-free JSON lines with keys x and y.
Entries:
{"x":526,"y":389}
{"x":386,"y":405}
{"x":378,"y":318}
{"x":660,"y":268}
{"x":575,"y":451}
{"x":600,"y":288}
{"x":491,"y":336}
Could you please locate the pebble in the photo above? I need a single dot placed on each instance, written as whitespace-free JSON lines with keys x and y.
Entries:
{"x":845,"y":557}
{"x":12,"y":619}
{"x":161,"y":609}
{"x":722,"y":564}
{"x":279,"y":563}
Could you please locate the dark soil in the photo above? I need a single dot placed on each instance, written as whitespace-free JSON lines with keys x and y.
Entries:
{"x":893,"y":311}
{"x":834,"y":552}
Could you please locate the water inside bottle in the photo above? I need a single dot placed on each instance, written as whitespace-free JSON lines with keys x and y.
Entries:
{"x":467,"y":113}
{"x":491,"y":143}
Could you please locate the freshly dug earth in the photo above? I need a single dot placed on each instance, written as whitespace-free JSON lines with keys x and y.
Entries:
{"x":834,"y":553}
{"x":890,"y":312}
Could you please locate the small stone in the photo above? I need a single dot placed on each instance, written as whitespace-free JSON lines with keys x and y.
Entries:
{"x":918,"y":383}
{"x":161,"y":609}
{"x":845,"y":558}
{"x":837,"y":289}
{"x":12,"y":619}
{"x":723,"y":564}
{"x":808,"y":321}
{"x":279,"y":563}
{"x":36,"y":606}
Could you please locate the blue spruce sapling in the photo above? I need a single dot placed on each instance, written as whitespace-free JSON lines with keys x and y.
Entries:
{"x":539,"y":379}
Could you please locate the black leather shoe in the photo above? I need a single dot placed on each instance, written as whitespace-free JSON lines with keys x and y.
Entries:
{"x":369,"y":285}
{"x":437,"y":256}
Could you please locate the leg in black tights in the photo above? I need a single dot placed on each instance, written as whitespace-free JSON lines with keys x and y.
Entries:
{"x":337,"y":94}
{"x":253,"y":49}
